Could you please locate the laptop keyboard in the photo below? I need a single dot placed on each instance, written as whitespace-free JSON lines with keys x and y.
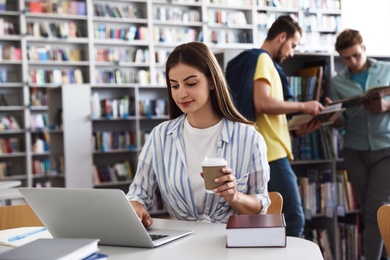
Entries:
{"x":156,"y":237}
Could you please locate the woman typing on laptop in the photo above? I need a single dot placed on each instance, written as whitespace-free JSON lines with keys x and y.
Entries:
{"x":203,"y":123}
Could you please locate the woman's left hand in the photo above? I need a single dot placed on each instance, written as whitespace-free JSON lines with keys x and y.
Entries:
{"x":228,"y":186}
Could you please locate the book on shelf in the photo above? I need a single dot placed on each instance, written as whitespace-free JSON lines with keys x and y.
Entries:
{"x":326,"y":116}
{"x":371,"y":94}
{"x":262,"y":230}
{"x":54,"y":248}
{"x":314,"y":87}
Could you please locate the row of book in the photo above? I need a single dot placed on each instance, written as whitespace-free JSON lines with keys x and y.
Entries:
{"x":5,"y":169}
{"x":47,"y":53}
{"x":125,"y":11}
{"x":175,"y":34}
{"x":317,"y":39}
{"x":318,"y":193}
{"x":7,"y":27}
{"x":266,"y":19}
{"x":120,"y":171}
{"x":10,"y":145}
{"x":321,"y":195}
{"x":122,"y":55}
{"x":105,"y":141}
{"x":72,"y":7}
{"x":153,"y":107}
{"x":55,"y":76}
{"x":10,"y":52}
{"x":224,"y":36}
{"x":41,"y":144}
{"x":48,"y":29}
{"x":112,"y":108}
{"x":9,"y":123}
{"x":3,"y":75}
{"x":161,"y":56}
{"x":39,"y":121}
{"x":227,"y":17}
{"x":120,"y":76}
{"x":38,"y":97}
{"x":322,"y":4}
{"x":127,"y":33}
{"x":40,"y":167}
{"x":350,"y":241}
{"x":325,"y":22}
{"x":322,"y":144}
{"x":345,"y":193}
{"x":48,"y":166}
{"x":176,"y":14}
{"x":3,"y":100}
{"x":3,"y":5}
{"x":226,"y":2}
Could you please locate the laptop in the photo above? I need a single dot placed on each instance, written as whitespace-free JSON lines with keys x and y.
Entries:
{"x":104,"y":214}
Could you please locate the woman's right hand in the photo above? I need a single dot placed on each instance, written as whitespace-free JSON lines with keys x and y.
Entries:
{"x":142,"y":213}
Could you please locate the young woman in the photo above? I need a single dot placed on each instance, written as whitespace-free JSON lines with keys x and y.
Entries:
{"x":203,"y":123}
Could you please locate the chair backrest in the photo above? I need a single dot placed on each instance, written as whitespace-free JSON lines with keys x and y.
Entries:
{"x":18,"y":216}
{"x":383,"y":216}
{"x":276,"y":203}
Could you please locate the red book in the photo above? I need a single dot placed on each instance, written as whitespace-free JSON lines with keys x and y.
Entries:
{"x":36,"y":7}
{"x":263,"y":230}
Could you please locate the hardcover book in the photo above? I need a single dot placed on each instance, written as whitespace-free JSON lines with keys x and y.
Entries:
{"x":54,"y":248}
{"x":326,"y":117}
{"x":373,"y":93}
{"x":262,"y":230}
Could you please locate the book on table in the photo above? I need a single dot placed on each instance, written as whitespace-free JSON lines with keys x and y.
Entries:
{"x":54,"y":248}
{"x":262,"y":230}
{"x":326,"y":117}
{"x":371,"y":94}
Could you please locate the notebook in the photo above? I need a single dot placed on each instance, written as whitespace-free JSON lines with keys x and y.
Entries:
{"x":104,"y":214}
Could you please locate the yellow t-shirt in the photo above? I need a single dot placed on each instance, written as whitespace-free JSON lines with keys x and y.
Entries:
{"x":274,"y":128}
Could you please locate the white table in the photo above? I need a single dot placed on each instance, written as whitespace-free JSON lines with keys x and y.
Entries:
{"x":9,"y":184}
{"x":8,"y":196}
{"x":209,"y":242}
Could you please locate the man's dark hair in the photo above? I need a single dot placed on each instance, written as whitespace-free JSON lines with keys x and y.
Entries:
{"x":348,"y":38}
{"x":284,"y":23}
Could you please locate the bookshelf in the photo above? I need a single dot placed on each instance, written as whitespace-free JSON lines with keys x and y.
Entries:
{"x":75,"y":55}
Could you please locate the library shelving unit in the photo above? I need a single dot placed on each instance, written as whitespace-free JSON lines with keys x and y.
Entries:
{"x":86,"y":78}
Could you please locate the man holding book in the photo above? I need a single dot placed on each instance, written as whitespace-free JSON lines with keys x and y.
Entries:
{"x":258,"y":84}
{"x":367,"y":138}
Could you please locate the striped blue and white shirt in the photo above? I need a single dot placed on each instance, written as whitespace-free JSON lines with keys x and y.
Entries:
{"x":163,"y":162}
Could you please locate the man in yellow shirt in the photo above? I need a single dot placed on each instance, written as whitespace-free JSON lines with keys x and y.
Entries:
{"x":270,"y":109}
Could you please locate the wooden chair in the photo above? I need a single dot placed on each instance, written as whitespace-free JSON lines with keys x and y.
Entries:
{"x":18,"y":216}
{"x":276,"y":203}
{"x":383,"y":216}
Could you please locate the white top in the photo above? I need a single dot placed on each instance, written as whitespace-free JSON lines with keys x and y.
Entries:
{"x":200,"y":143}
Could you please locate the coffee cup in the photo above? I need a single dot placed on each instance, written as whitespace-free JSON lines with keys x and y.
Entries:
{"x":212,"y":168}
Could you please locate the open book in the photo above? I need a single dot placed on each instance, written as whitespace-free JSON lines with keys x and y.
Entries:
{"x":373,"y":93}
{"x":327,"y":116}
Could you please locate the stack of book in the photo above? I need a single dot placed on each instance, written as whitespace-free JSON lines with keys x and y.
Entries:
{"x":56,"y":248}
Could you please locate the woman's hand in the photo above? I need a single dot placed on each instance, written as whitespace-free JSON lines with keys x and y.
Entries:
{"x":142,"y":213}
{"x":228,"y":189}
{"x":228,"y":186}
